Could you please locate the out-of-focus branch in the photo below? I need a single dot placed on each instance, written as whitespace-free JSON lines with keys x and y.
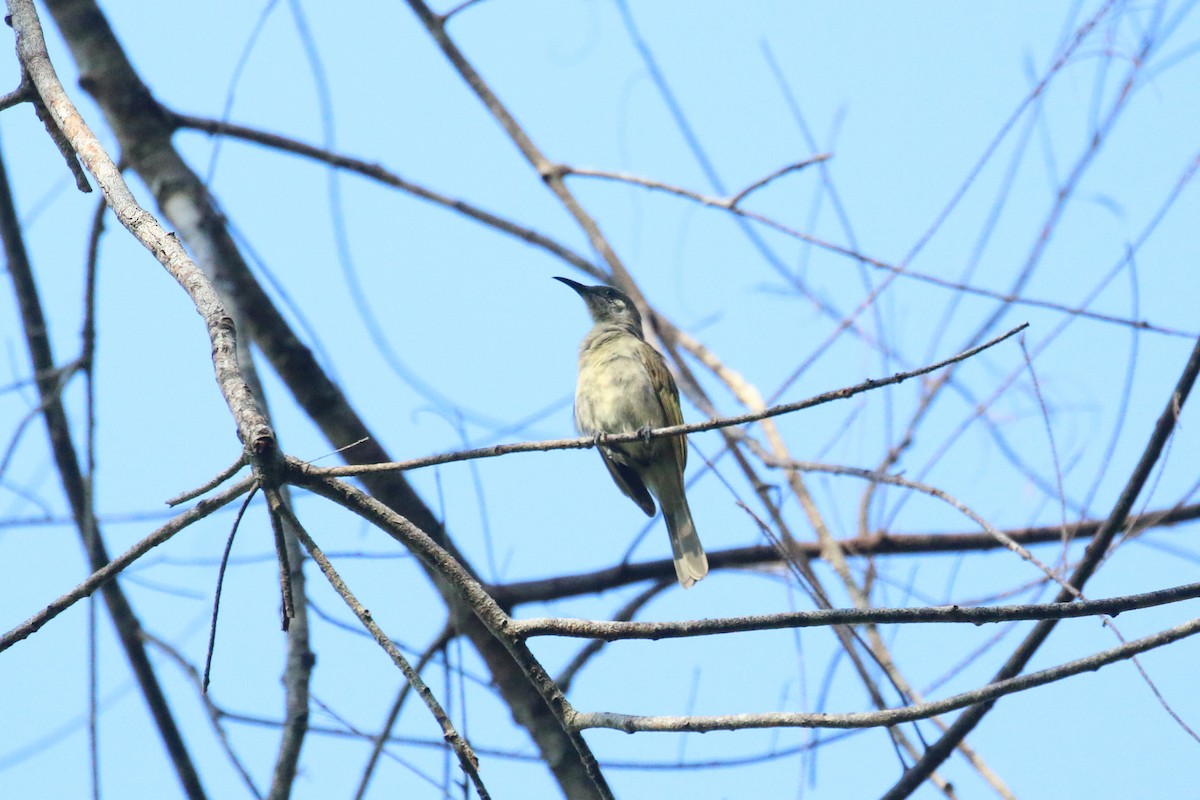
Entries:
{"x":592,"y":648}
{"x":879,"y":544}
{"x":1012,"y":297}
{"x":386,"y":177}
{"x":381,"y":739}
{"x":214,"y":712}
{"x":75,"y":487}
{"x":1037,"y":250}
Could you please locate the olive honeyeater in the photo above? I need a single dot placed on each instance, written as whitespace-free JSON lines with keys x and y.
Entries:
{"x":624,"y":386}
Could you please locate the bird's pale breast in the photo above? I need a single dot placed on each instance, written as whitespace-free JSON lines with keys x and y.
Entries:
{"x":614,"y":393}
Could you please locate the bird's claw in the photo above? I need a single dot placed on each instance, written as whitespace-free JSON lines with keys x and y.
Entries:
{"x":644,"y":432}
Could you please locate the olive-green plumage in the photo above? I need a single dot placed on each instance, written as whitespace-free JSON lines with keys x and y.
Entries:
{"x":624,"y":386}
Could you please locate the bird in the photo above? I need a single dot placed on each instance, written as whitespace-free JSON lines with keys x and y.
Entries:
{"x":624,"y":386}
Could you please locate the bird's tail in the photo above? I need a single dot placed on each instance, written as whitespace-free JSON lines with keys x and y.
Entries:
{"x":690,"y":562}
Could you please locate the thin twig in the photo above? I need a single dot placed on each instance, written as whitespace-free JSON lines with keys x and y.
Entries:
{"x":1045,"y":412}
{"x":24,"y":93}
{"x":933,"y":491}
{"x":211,"y":483}
{"x":214,"y":713}
{"x":275,"y":511}
{"x":761,"y":182}
{"x":379,"y":741}
{"x":468,"y":591}
{"x":876,"y":263}
{"x":463,"y":6}
{"x":28,"y":92}
{"x":381,"y":174}
{"x":212,"y":628}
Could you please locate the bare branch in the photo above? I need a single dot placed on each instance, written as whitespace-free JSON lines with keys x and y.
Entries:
{"x":895,"y":716}
{"x":933,"y":491}
{"x":380,"y":740}
{"x":24,"y":93}
{"x":616,"y":630}
{"x":212,"y":626}
{"x":876,"y":263}
{"x":585,"y":442}
{"x":381,"y":174}
{"x":275,"y":506}
{"x":761,"y":182}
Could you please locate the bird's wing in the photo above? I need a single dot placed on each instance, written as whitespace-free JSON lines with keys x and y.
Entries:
{"x":668,"y":397}
{"x":629,"y":482}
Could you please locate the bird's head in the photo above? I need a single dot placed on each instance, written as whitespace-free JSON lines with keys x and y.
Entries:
{"x":608,"y":306}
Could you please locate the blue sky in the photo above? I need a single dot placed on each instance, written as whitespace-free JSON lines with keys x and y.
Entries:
{"x":906,"y":98}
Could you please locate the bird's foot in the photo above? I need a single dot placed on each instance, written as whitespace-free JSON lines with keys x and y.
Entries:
{"x":644,"y":432}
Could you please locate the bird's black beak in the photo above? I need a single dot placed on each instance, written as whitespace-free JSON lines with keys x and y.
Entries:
{"x":578,"y":287}
{"x":592,"y":297}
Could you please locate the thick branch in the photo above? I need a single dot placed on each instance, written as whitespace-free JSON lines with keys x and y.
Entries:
{"x":31,"y":49}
